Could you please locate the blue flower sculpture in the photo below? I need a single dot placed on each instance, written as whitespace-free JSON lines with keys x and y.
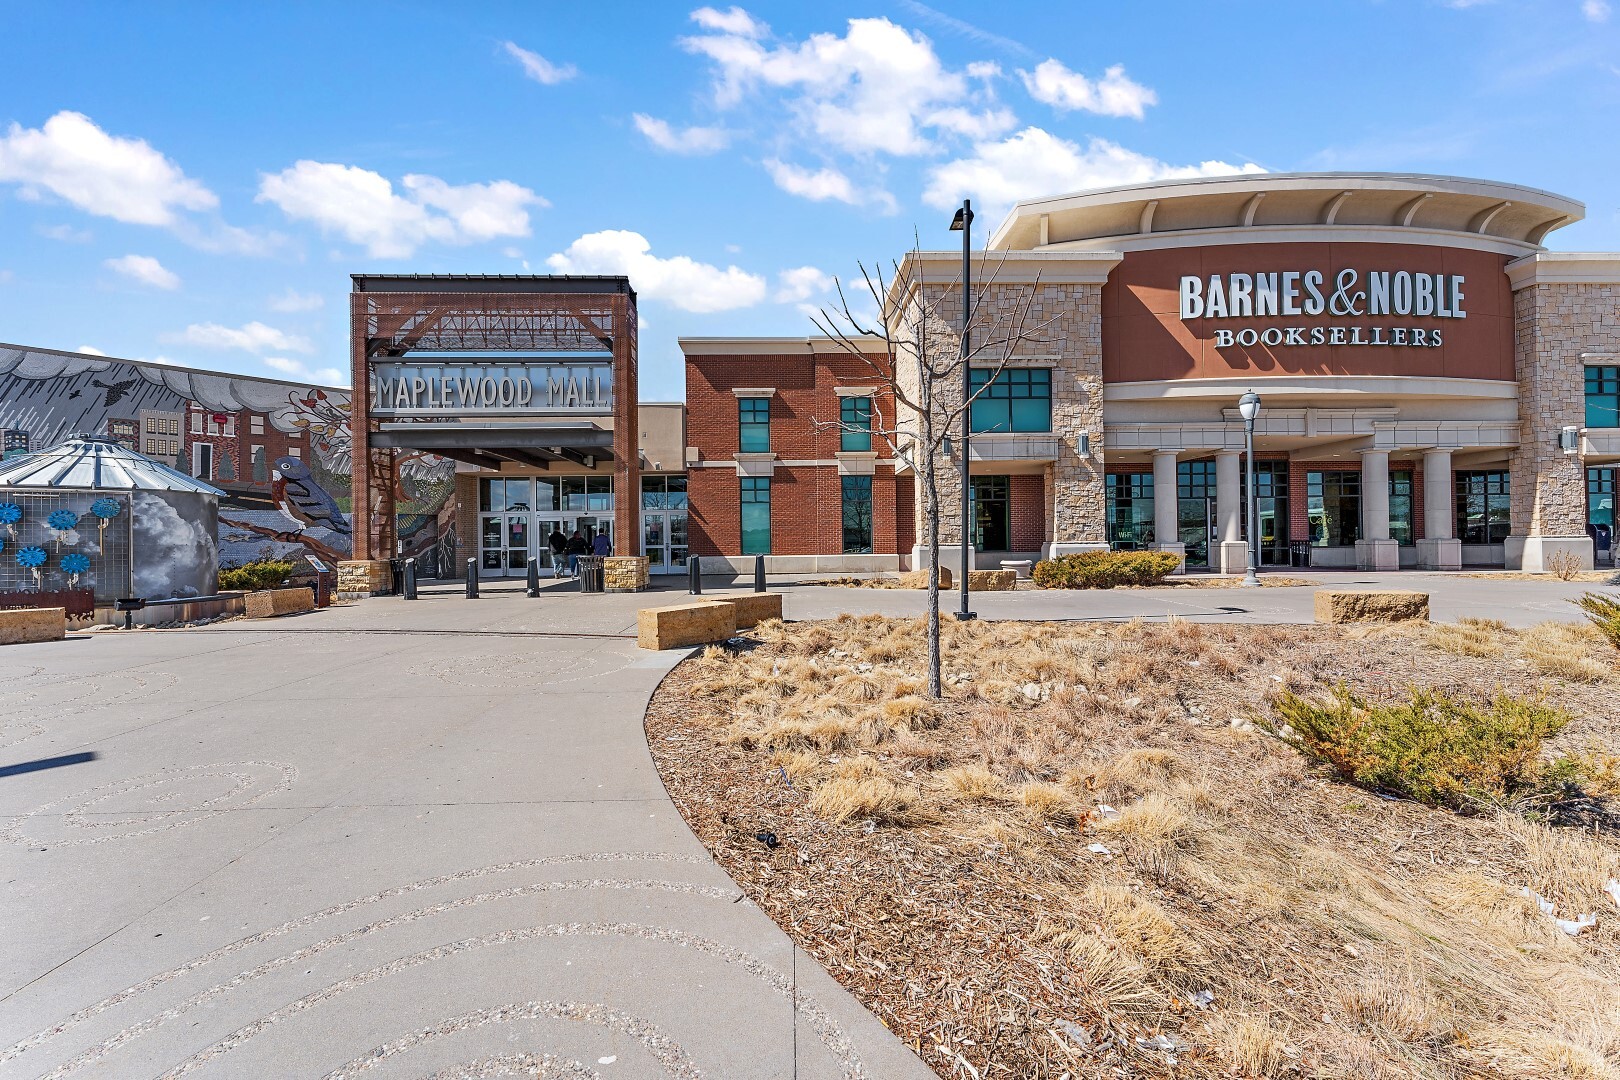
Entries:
{"x":75,"y":563}
{"x":10,"y":513}
{"x":62,"y":520}
{"x":106,"y":509}
{"x":32,"y":556}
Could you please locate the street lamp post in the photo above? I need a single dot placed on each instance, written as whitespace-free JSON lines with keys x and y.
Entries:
{"x":1249,"y":408}
{"x":963,"y":223}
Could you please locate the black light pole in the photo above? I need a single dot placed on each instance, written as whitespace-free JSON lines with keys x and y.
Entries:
{"x":1249,"y":408}
{"x":963,"y":223}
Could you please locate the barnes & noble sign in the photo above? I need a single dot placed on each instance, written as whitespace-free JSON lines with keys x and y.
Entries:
{"x":1351,"y":308}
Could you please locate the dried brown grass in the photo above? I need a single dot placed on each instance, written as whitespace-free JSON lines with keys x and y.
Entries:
{"x":1340,"y":935}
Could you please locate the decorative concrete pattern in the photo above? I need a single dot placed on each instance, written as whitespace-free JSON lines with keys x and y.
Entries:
{"x":437,"y":848}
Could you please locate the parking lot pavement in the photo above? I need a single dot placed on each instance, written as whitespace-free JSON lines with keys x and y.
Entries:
{"x":389,"y":838}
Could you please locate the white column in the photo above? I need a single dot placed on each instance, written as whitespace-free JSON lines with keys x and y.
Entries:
{"x":1167,"y":505}
{"x":1166,"y":511}
{"x":1438,"y":517}
{"x":1376,"y":550}
{"x":1375,"y":495}
{"x":1229,"y":496}
{"x":1438,"y":550}
{"x":1229,"y":512}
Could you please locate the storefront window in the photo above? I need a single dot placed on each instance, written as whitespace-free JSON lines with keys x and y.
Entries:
{"x":1484,"y":506}
{"x":545,"y":495}
{"x":1020,"y":399}
{"x":753,"y":425}
{"x":1602,"y":395}
{"x":1333,"y":507}
{"x":1600,"y":489}
{"x":663,"y":493}
{"x":855,"y":425}
{"x":991,"y":520}
{"x":756,"y":515}
{"x":857,"y":503}
{"x":1400,"y":507}
{"x":1130,"y":511}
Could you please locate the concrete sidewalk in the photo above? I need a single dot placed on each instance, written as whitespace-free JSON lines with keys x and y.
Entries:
{"x":391,"y":838}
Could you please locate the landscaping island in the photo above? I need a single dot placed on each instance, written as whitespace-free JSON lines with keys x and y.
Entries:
{"x":1092,"y":858}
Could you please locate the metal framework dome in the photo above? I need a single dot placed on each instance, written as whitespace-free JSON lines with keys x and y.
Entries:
{"x":89,"y":462}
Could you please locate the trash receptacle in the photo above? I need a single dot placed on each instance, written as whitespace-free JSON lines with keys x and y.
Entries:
{"x":591,"y":572}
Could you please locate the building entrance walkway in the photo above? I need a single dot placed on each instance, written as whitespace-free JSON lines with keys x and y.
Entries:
{"x":392,"y":838}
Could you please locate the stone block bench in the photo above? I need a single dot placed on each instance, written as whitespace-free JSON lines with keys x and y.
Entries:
{"x":753,"y":608}
{"x":1367,"y":605}
{"x":268,"y":603}
{"x":683,"y":625}
{"x":991,"y":580}
{"x":22,"y":626}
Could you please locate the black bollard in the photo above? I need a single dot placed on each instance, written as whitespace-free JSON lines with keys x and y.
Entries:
{"x":694,"y":576}
{"x":534,"y":576}
{"x":472,"y":579}
{"x":410,"y":579}
{"x":759,"y":573}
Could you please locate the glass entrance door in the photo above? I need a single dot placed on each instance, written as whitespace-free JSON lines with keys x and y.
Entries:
{"x":1196,"y":528}
{"x":505,"y":544}
{"x":663,"y":541}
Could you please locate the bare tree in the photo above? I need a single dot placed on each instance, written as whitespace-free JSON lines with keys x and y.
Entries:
{"x":912,"y":351}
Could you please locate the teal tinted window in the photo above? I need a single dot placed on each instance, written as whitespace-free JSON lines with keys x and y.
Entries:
{"x":1130,"y":511}
{"x":855,"y":425}
{"x":1400,"y":507}
{"x":756,"y":515}
{"x":753,"y":425}
{"x":1600,"y":491}
{"x":1484,"y":507}
{"x":1333,"y":507}
{"x":1602,"y":396}
{"x":857,"y":505}
{"x":1020,"y":399}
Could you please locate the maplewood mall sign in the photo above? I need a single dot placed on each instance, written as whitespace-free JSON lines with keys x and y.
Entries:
{"x":474,"y":388}
{"x":1308,"y":294}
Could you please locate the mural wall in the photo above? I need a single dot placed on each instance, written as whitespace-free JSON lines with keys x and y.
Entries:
{"x":280,"y":451}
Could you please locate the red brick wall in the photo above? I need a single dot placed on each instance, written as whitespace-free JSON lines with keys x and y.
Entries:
{"x":1026,"y":498}
{"x":806,"y":501}
{"x":905,"y":514}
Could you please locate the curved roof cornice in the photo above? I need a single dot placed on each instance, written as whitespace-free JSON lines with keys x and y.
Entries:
{"x":1368,"y":202}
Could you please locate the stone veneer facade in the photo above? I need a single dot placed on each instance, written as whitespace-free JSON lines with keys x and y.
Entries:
{"x":1560,"y":326}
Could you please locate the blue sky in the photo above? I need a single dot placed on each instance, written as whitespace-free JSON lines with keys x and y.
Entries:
{"x":195,"y":183}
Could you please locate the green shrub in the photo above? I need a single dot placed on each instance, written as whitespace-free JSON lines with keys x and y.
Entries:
{"x":1105,"y":569}
{"x":1436,"y":749}
{"x":1604,"y":611}
{"x":259,"y":574}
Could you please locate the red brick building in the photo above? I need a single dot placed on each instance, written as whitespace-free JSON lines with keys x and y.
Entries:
{"x":777,"y":459}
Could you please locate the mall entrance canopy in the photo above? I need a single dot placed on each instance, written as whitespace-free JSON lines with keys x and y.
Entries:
{"x":531,"y":370}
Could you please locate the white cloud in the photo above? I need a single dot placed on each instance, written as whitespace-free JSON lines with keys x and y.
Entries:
{"x":732,"y":21}
{"x":1115,"y":94}
{"x":89,"y":350}
{"x":144,"y":269}
{"x":1596,"y":10}
{"x":293,"y":300}
{"x":1034,"y":162}
{"x":692,"y":140}
{"x":538,"y":67}
{"x":679,"y":280}
{"x":121,"y":178}
{"x":876,"y":89}
{"x":254,"y":337}
{"x":326,"y":376}
{"x":362,"y":206}
{"x":825,"y":183}
{"x":67,"y":234}
{"x":801,"y":283}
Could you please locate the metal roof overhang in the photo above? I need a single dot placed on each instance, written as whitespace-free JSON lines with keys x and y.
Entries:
{"x":488,"y":445}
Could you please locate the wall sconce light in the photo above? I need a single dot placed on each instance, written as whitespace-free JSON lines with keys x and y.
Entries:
{"x":1569,"y":440}
{"x":1085,"y":444}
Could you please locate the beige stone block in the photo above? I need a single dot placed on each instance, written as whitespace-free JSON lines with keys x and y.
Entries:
{"x":364,"y":577}
{"x":753,"y":608}
{"x":684,"y":625}
{"x":268,"y":603}
{"x":624,"y":573}
{"x":24,"y":625}
{"x":992,"y":580}
{"x":918,"y":579}
{"x":1367,"y":605}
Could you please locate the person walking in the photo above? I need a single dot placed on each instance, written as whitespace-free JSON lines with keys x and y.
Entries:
{"x":576,"y":548}
{"x":602,"y":545}
{"x":559,"y":550}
